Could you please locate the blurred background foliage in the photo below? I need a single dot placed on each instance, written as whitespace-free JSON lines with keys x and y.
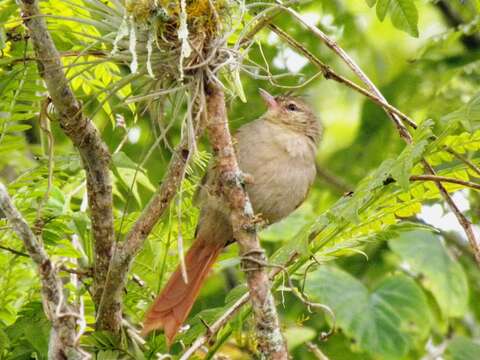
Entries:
{"x":390,"y":260}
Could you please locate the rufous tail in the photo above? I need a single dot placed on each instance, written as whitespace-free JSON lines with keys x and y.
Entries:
{"x":173,"y":304}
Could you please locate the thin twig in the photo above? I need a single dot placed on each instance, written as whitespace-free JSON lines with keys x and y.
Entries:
{"x":62,"y":54}
{"x":351,"y":64}
{"x":298,"y":294}
{"x":463,"y":159}
{"x":446,"y":179}
{"x":316,"y":351}
{"x":13,"y":251}
{"x":81,"y":273}
{"x":330,"y":74}
{"x":44,"y":120}
{"x":260,"y":21}
{"x":462,"y":220}
{"x":215,"y":327}
{"x":336,"y":182}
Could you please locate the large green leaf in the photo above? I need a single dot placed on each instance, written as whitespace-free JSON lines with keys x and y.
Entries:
{"x":404,"y":16}
{"x":462,"y":348}
{"x":382,"y":8}
{"x":412,"y":153}
{"x":298,"y":335}
{"x":403,"y":13}
{"x":385,"y":321}
{"x":424,"y":253}
{"x":468,"y":115}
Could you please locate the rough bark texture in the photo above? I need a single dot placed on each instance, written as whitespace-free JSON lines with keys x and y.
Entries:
{"x":84,"y":136}
{"x":270,"y":340}
{"x":63,"y":335}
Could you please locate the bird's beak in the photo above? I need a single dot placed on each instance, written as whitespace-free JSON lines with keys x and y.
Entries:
{"x":269,"y":99}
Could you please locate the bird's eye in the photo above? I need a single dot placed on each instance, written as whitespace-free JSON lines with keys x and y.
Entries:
{"x":292,"y":107}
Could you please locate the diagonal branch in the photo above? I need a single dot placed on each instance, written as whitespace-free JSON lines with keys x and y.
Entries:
{"x":13,"y":251}
{"x":63,"y":335}
{"x":464,"y":159}
{"x":446,"y":179}
{"x":330,"y":74}
{"x":336,"y":182}
{"x":109,"y":314}
{"x":351,"y":64}
{"x":84,"y":136}
{"x":270,"y":340}
{"x":214,"y":328}
{"x":402,"y":130}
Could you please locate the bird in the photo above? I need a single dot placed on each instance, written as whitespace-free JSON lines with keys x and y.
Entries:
{"x":277,"y":151}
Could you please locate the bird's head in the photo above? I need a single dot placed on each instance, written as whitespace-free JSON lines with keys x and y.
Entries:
{"x":293,"y":113}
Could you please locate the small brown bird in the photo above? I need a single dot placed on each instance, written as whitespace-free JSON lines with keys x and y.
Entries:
{"x":278,"y":151}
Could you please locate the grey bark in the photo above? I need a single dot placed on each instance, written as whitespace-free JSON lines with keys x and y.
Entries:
{"x":84,"y":136}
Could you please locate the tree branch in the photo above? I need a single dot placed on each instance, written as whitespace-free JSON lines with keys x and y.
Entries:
{"x":13,"y":251}
{"x":437,"y":178}
{"x":270,"y":340}
{"x":63,"y":335}
{"x":110,"y":309}
{"x":84,"y":136}
{"x":215,"y":327}
{"x":463,"y":159}
{"x":232,"y":310}
{"x":402,"y":130}
{"x":351,"y":64}
{"x":462,"y":220}
{"x":315,"y":350}
{"x":331,"y":179}
{"x":330,"y":74}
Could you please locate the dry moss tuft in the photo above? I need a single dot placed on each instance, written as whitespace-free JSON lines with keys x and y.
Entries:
{"x":160,"y":20}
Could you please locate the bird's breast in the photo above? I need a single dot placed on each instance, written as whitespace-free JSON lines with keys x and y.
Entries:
{"x":282,"y":164}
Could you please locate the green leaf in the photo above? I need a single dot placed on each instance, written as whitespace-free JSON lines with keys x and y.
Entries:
{"x":424,"y":253}
{"x":298,"y":335}
{"x":4,"y":341}
{"x":382,"y":9}
{"x":412,"y":153}
{"x":384,"y":322}
{"x":468,"y":116}
{"x":348,"y":208}
{"x":121,"y":160}
{"x":403,"y":13}
{"x":471,"y":121}
{"x":462,"y":348}
{"x":404,"y":16}
{"x":371,"y":3}
{"x":32,"y":330}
